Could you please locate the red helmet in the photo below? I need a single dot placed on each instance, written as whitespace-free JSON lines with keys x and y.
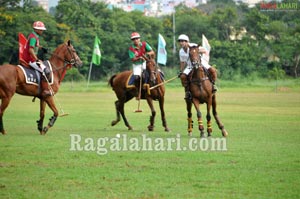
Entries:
{"x":39,"y":25}
{"x":135,"y":35}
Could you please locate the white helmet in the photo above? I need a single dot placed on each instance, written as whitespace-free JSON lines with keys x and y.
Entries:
{"x":183,"y":37}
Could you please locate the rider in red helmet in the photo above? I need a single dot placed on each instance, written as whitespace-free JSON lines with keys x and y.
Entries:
{"x":31,"y":50}
{"x":136,"y":52}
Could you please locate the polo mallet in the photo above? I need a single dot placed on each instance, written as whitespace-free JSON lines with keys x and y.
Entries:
{"x":55,"y":99}
{"x":139,"y":96}
{"x":162,"y":83}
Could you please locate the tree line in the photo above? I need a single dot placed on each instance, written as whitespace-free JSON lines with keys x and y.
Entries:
{"x":245,"y":41}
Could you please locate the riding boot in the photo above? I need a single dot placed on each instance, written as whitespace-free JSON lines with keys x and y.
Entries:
{"x":185,"y":84}
{"x":213,"y":74}
{"x":45,"y":89}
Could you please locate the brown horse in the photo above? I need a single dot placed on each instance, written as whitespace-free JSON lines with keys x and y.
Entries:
{"x":202,"y":92}
{"x":12,"y":80}
{"x":118,"y":83}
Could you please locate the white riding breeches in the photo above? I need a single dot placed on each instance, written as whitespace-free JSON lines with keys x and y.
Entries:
{"x":36,"y":66}
{"x":187,"y":70}
{"x":138,"y":68}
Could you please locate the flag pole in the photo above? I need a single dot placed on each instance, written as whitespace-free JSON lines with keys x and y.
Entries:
{"x":91,"y":65}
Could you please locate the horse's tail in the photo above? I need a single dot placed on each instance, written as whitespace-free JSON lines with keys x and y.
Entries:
{"x":111,"y":80}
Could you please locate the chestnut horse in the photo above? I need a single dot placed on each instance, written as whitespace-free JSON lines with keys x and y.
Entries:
{"x":12,"y":80}
{"x":118,"y":83}
{"x":202,"y":92}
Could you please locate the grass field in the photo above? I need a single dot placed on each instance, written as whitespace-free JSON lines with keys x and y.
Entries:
{"x":261,"y":161}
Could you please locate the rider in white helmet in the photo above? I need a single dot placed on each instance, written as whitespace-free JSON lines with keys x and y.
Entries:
{"x":186,"y":65}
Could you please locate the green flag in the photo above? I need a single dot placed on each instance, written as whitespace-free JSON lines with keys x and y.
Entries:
{"x":96,"y":58}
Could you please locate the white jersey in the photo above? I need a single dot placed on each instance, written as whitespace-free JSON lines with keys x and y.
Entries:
{"x":184,"y":57}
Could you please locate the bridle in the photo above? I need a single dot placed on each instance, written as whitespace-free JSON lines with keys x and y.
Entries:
{"x":71,"y":62}
{"x":152,"y":72}
{"x":196,"y":64}
{"x":67,"y":63}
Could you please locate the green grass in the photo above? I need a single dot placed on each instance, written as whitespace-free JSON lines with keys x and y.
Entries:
{"x":262,"y":160}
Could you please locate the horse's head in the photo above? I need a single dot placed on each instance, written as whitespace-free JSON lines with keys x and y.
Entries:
{"x":195,"y":59}
{"x":151,"y":68}
{"x":194,"y":55}
{"x":71,"y":57}
{"x":67,"y":53}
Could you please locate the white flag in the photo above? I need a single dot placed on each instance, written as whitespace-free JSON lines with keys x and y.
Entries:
{"x":205,"y":43}
{"x":161,"y":50}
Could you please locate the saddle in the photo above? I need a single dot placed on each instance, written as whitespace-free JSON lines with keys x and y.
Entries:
{"x":130,"y":83}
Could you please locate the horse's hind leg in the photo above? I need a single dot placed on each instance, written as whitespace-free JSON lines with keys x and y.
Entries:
{"x":3,"y":106}
{"x":42,"y":115}
{"x":214,"y":109}
{"x":120,"y":109}
{"x":51,"y":104}
{"x":153,"y":113}
{"x":162,"y":112}
{"x":114,"y":122}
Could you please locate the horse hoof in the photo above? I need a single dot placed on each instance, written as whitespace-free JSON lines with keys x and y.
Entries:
{"x":202,"y":135}
{"x":208,"y":134}
{"x":150,"y":128}
{"x":45,"y":129}
{"x":113,"y":123}
{"x":190,"y":134}
{"x":3,"y":132}
{"x":130,"y":128}
{"x":224,"y":133}
{"x":167,"y":129}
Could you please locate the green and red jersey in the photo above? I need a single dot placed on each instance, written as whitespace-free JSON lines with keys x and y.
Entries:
{"x":137,"y":52}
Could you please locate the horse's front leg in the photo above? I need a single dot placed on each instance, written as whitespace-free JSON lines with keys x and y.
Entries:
{"x":199,"y":116}
{"x":162,"y":112}
{"x":208,"y":119}
{"x":42,"y":115}
{"x":51,"y":104}
{"x":189,"y":115}
{"x":153,"y":113}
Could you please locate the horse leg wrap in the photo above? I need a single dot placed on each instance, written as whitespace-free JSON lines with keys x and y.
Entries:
{"x":190,"y":124}
{"x":209,"y":127}
{"x":52,"y":121}
{"x":200,"y":124}
{"x":40,"y":125}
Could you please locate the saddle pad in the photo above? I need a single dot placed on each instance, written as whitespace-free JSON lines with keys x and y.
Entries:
{"x":33,"y":77}
{"x":130,"y":81}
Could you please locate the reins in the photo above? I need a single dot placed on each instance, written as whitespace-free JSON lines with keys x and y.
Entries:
{"x":66,"y":63}
{"x":196,"y":66}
